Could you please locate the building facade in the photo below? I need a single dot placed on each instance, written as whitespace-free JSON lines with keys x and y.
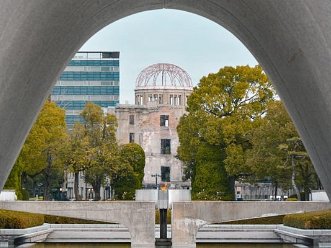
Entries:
{"x":88,"y":77}
{"x":160,"y":100}
{"x":262,"y":191}
{"x":85,"y":189}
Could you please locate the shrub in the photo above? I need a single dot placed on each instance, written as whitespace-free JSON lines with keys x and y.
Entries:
{"x":272,"y":220}
{"x":19,"y":220}
{"x":309,"y":220}
{"x":52,"y":219}
{"x":291,"y":199}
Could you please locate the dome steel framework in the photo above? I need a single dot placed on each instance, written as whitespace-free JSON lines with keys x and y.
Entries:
{"x":163,"y":74}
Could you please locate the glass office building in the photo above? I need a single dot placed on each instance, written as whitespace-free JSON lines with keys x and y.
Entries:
{"x":89,"y":77}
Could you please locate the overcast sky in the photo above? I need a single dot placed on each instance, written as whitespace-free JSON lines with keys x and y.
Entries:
{"x":192,"y":42}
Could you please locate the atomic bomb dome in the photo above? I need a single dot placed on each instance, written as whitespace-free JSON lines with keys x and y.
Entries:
{"x":163,"y":75}
{"x":163,"y":84}
{"x":161,"y":97}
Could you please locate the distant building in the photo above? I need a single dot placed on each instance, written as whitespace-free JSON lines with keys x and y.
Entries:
{"x":88,"y":77}
{"x":85,"y":189}
{"x":259,"y":192}
{"x":160,"y":100}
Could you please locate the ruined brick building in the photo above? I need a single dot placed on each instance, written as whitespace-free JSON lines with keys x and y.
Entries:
{"x":160,"y":100}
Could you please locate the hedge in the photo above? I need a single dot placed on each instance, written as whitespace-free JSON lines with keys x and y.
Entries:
{"x":272,"y":220}
{"x":309,"y":220}
{"x":52,"y":219}
{"x":19,"y":220}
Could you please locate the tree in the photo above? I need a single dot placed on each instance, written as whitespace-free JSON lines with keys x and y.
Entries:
{"x":14,"y":180}
{"x":222,"y":110}
{"x":130,"y":177}
{"x":40,"y":155}
{"x":278,"y":152}
{"x":211,"y":180}
{"x":76,"y":154}
{"x":104,"y":156}
{"x":266,"y":159}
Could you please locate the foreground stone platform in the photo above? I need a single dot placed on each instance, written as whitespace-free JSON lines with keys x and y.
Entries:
{"x":138,"y":217}
{"x":115,"y":233}
{"x":187,"y":217}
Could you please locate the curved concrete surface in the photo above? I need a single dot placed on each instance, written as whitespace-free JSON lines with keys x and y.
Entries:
{"x":188,"y":217}
{"x":291,"y":40}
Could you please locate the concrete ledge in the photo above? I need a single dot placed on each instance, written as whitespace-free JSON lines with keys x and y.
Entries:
{"x":293,"y":238}
{"x":108,"y":233}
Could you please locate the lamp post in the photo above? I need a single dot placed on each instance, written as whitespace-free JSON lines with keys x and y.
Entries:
{"x":163,"y":204}
{"x":156,"y":175}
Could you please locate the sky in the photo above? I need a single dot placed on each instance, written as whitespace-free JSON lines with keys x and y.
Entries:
{"x":192,"y":42}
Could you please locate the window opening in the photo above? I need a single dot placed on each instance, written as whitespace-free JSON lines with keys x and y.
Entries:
{"x":165,"y":146}
{"x":164,"y":120}
{"x":131,"y":137}
{"x":131,"y":119}
{"x":165,"y":173}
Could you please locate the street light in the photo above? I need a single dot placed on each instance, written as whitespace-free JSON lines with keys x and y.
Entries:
{"x":156,"y":175}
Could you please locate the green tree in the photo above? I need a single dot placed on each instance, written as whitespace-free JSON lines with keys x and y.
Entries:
{"x":211,"y":180}
{"x":222,"y":110}
{"x":40,"y":155}
{"x":14,"y":180}
{"x":76,"y":155}
{"x":278,"y":152}
{"x":130,"y":177}
{"x":104,"y":159}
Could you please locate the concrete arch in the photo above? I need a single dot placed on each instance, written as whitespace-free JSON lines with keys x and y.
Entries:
{"x":291,"y":40}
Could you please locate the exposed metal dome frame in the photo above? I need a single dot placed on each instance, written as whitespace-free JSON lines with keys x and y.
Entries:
{"x":163,"y":74}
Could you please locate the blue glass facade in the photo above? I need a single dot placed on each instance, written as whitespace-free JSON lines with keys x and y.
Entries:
{"x":88,"y":77}
{"x":86,"y":90}
{"x":79,"y":105}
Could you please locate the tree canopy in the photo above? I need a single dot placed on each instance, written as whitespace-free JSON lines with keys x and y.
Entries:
{"x":40,"y":156}
{"x":234,"y":129}
{"x":130,"y":177}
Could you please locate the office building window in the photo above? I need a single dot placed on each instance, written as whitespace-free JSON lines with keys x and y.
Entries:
{"x":165,"y":146}
{"x":131,"y":119}
{"x":165,"y":174}
{"x":131,"y":137}
{"x":164,"y":120}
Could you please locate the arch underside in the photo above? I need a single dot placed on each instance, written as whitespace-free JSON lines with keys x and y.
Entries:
{"x":290,"y":39}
